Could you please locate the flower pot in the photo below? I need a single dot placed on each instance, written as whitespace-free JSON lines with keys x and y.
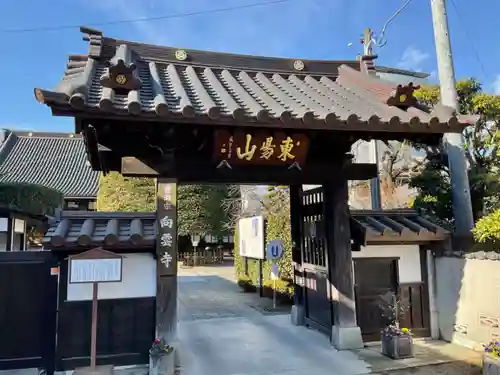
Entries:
{"x":162,"y":364}
{"x":397,"y":347}
{"x":491,"y":365}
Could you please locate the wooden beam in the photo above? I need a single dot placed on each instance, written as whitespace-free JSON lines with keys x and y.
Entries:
{"x":407,"y":238}
{"x":135,"y":167}
{"x":203,"y":172}
{"x":166,"y":264}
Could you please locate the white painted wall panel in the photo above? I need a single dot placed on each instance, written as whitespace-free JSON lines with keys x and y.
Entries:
{"x":138,"y":280}
{"x":409,"y":259}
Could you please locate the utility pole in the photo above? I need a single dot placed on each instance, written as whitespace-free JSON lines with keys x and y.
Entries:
{"x":453,"y":142}
{"x":376,"y":201}
{"x":375,"y":195}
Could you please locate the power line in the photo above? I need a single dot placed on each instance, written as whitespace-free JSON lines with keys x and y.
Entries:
{"x":145,"y":19}
{"x":382,"y":33}
{"x":470,"y":40}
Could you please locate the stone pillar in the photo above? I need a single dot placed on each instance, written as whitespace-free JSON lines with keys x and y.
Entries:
{"x":298,"y":308}
{"x":166,"y":273}
{"x":345,"y":332}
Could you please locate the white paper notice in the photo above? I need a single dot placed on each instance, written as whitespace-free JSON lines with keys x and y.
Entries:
{"x":95,"y":270}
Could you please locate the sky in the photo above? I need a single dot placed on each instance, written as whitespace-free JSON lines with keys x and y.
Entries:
{"x":307,"y":29}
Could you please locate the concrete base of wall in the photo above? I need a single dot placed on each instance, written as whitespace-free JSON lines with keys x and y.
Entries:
{"x":298,"y":315}
{"x":346,"y":338}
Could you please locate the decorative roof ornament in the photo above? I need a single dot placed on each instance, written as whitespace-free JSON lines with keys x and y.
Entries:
{"x":181,"y":55}
{"x":122,"y":74}
{"x":298,"y":65}
{"x":403,"y":96}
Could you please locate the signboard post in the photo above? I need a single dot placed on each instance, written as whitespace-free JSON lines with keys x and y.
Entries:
{"x":274,"y":251}
{"x":274,"y":277}
{"x":95,"y":266}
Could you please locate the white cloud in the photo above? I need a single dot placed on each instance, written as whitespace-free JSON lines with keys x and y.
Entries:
{"x":413,"y":59}
{"x":496,"y":85}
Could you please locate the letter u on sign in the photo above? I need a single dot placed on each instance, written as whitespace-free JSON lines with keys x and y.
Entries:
{"x":274,"y":249}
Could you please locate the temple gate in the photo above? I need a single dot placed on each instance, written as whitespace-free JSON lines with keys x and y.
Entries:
{"x":186,"y":116}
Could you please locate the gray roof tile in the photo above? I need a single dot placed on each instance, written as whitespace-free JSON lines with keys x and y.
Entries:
{"x":54,"y":160}
{"x":111,"y":230}
{"x":221,"y":88}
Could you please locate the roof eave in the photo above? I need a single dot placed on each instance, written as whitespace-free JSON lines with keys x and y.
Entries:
{"x":316,"y":124}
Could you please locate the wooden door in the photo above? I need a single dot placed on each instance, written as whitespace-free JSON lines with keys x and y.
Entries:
{"x":374,"y":277}
{"x":315,"y":263}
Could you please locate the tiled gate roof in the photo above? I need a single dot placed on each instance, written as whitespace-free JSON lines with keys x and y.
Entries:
{"x":121,"y":78}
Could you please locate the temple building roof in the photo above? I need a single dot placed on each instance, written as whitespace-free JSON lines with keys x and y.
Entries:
{"x":119,"y":79}
{"x":54,"y":160}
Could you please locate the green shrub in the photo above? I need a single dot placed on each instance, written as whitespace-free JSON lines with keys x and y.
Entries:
{"x":488,"y":228}
{"x":281,"y":286}
{"x":277,"y":227}
{"x":246,"y":284}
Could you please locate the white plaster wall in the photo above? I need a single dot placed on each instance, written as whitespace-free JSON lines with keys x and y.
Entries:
{"x":409,"y":259}
{"x":138,"y":280}
{"x":468,"y":300}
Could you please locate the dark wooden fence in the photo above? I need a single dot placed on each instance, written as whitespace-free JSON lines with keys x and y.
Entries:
{"x":28,"y":307}
{"x":39,"y":328}
{"x":417,"y":317}
{"x":124,"y":334}
{"x":371,"y":320}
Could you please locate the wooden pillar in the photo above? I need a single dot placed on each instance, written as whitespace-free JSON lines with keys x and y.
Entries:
{"x":298,"y":309}
{"x":166,"y":263}
{"x":10,"y":234}
{"x":345,"y":332}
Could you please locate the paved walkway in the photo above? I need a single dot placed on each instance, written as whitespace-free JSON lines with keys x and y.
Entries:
{"x":221,"y":334}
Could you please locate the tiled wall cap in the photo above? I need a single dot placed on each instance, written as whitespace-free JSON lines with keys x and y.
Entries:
{"x":479,"y":255}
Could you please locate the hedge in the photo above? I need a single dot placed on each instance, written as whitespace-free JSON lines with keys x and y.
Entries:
{"x":30,"y":198}
{"x":276,"y":227}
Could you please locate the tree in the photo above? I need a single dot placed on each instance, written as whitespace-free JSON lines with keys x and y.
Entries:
{"x":482,"y":143}
{"x":199,"y":206}
{"x":129,"y":194}
{"x":200,"y":209}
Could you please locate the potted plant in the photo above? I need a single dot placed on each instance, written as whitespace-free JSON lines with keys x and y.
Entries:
{"x":161,"y":360}
{"x":491,"y":358}
{"x":397,"y":342}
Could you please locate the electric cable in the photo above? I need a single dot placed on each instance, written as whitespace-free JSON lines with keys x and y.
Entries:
{"x":145,"y":19}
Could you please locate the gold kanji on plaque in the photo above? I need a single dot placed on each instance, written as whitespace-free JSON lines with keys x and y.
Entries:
{"x":249,"y":149}
{"x":227,"y":149}
{"x":286,"y":148}
{"x":267,"y":148}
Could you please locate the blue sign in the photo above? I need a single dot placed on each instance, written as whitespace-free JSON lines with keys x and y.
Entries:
{"x":274,"y":272}
{"x":274,"y":249}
